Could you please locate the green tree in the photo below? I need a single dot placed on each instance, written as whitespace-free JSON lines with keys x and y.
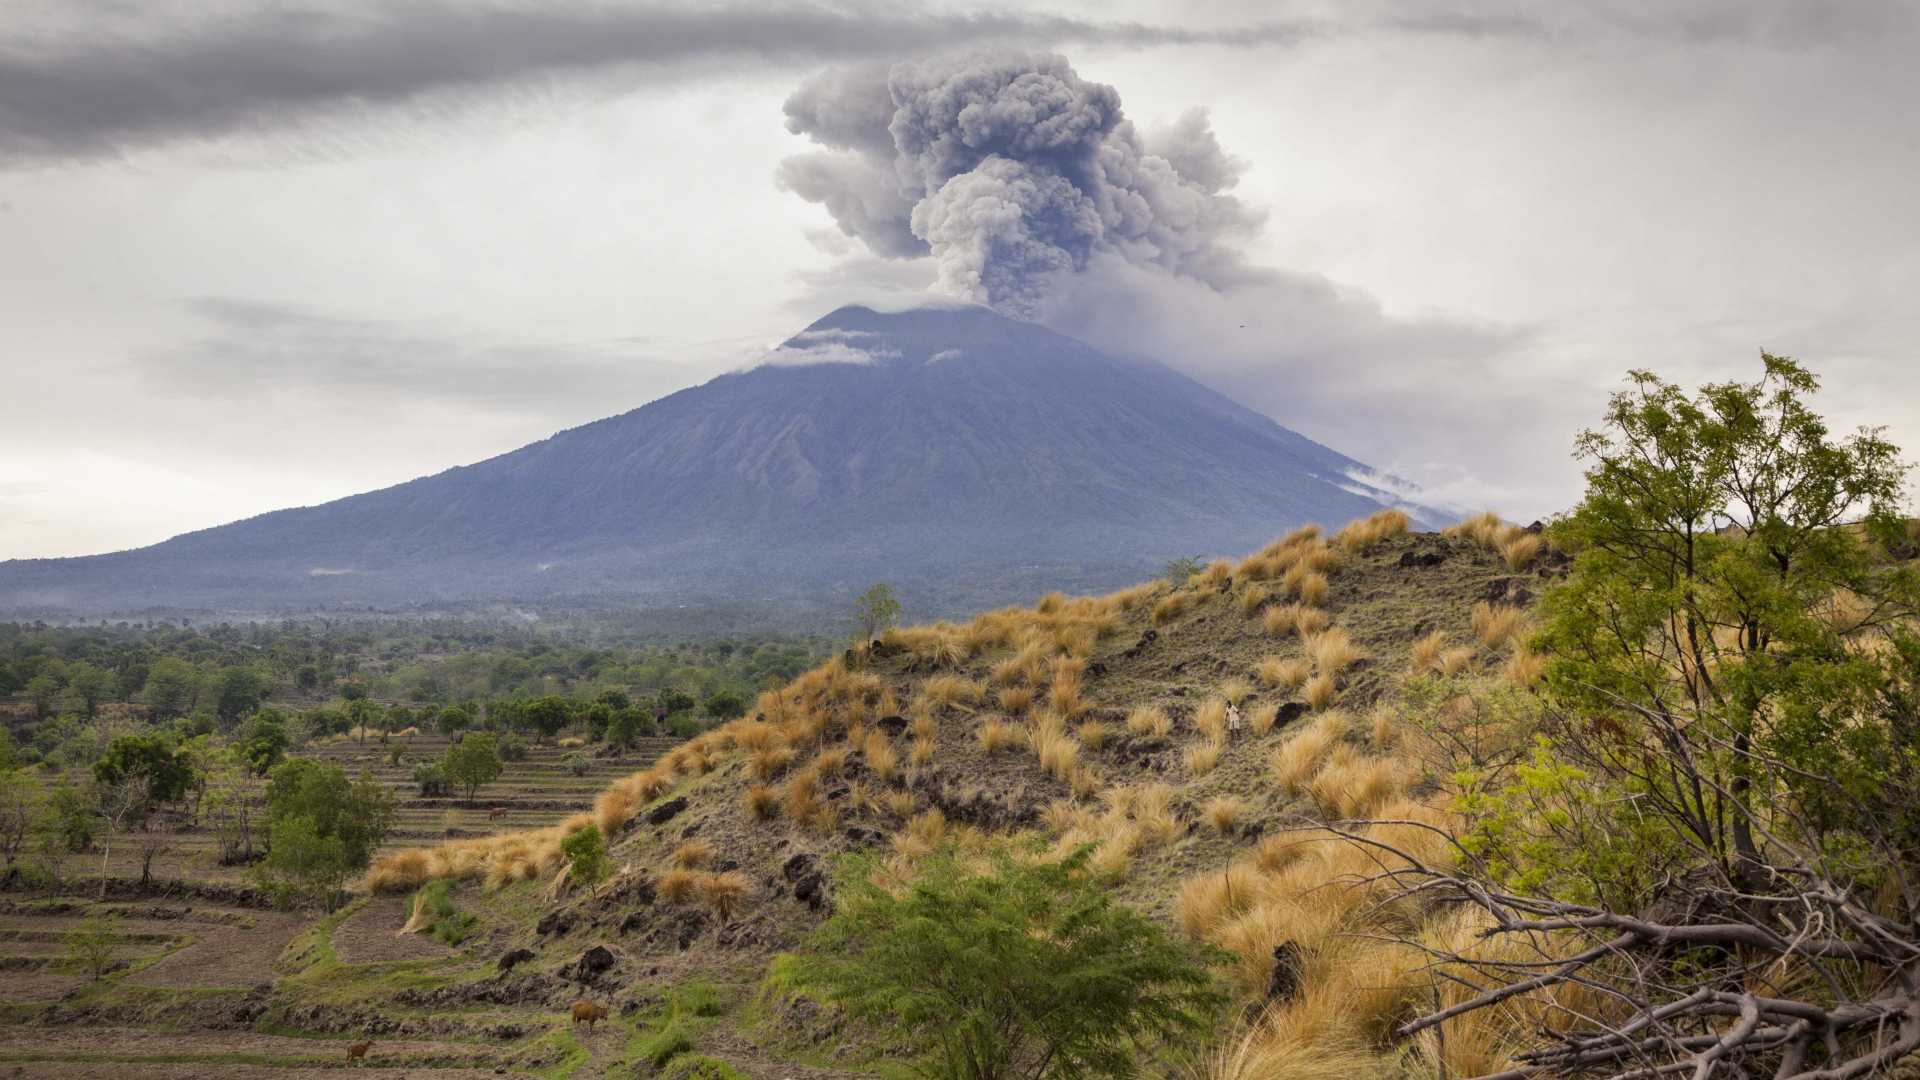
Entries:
{"x":454,"y":718}
{"x":263,"y":741}
{"x":1178,"y":571}
{"x":305,"y":865}
{"x":364,"y":714}
{"x":875,"y":611}
{"x":358,"y":812}
{"x":44,"y":691}
{"x":1028,"y":970}
{"x":87,"y":687}
{"x":473,"y":761}
{"x":150,"y":762}
{"x":547,"y":715}
{"x":586,"y":853}
{"x":724,"y":705}
{"x":235,"y":692}
{"x":20,"y":807}
{"x":172,"y":685}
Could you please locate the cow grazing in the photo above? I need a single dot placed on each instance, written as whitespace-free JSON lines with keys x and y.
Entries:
{"x":588,"y":1013}
{"x":357,"y":1053}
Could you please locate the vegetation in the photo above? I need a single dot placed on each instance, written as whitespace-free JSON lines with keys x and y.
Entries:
{"x":1026,"y":969}
{"x":473,"y":761}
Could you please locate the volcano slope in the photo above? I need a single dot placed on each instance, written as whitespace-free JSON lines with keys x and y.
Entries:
{"x":1359,"y":665}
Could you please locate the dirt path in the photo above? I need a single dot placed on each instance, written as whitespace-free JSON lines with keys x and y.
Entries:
{"x":371,"y":935}
{"x":88,"y":1070}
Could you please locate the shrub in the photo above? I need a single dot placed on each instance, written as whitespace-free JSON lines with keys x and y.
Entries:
{"x":89,"y":946}
{"x":988,"y":971}
{"x":586,"y":855}
{"x":432,"y":781}
{"x":579,"y":764}
{"x":473,"y":761}
{"x":435,"y":913}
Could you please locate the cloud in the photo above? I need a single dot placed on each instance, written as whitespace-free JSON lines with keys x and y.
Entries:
{"x":263,"y":353}
{"x":94,"y":87}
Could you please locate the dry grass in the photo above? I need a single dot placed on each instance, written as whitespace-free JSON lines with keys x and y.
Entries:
{"x":1455,"y":661}
{"x":1236,"y":691}
{"x":1298,"y":759}
{"x":762,"y":802}
{"x":1368,"y":533}
{"x":1497,"y":625}
{"x":1350,"y":785}
{"x":1210,"y":719}
{"x":1295,"y":619}
{"x":1057,"y":751}
{"x":1253,"y":598}
{"x":1332,"y":650}
{"x":1262,"y":718}
{"x":1172,"y":606}
{"x":880,"y":755}
{"x":769,"y":763}
{"x":1202,"y":758}
{"x":1320,"y":691}
{"x":1063,"y":694}
{"x":1015,"y":699}
{"x":1519,"y":552}
{"x":831,"y":762}
{"x":1524,"y":668}
{"x":1217,"y":574}
{"x":677,"y":886}
{"x":922,"y":752}
{"x":996,"y":736}
{"x":1424,"y":659}
{"x":1092,"y":734}
{"x":1208,"y":900}
{"x":1314,"y":589}
{"x":1149,"y":720}
{"x":1284,"y":674}
{"x":692,"y":855}
{"x":953,"y":690}
{"x":1223,"y":812}
{"x":723,"y":894}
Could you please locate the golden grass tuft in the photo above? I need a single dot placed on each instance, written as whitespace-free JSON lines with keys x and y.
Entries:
{"x":1262,"y":718}
{"x":1333,"y":650}
{"x":882,"y":760}
{"x":1236,"y":691}
{"x":1210,"y":719}
{"x":1351,"y":786}
{"x":723,"y":894}
{"x":1524,"y":668}
{"x":1202,"y":758}
{"x":1208,"y":900}
{"x":921,"y":753}
{"x":1424,"y":658}
{"x":1149,"y":720}
{"x":1015,"y":699}
{"x":1172,"y":606}
{"x":1283,"y":674}
{"x":692,"y":854}
{"x":676,"y":886}
{"x":1520,"y":551}
{"x":1497,"y":625}
{"x":1298,"y":759}
{"x":830,"y":762}
{"x":1092,"y":734}
{"x":1314,"y":589}
{"x":1083,"y":782}
{"x":953,"y":690}
{"x":762,"y":802}
{"x":1456,"y":660}
{"x":996,"y":735}
{"x":1368,"y":533}
{"x":612,"y":808}
{"x":1223,"y":812}
{"x":1064,"y":816}
{"x":769,"y":763}
{"x":1063,"y":694}
{"x":1253,"y":598}
{"x":1320,"y":691}
{"x":1057,"y":751}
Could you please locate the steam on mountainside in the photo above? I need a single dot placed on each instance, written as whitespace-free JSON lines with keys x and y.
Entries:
{"x":954,"y":447}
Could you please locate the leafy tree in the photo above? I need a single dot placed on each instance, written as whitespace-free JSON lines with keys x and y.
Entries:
{"x":624,"y":727}
{"x":547,"y":715}
{"x":234,"y":787}
{"x":20,"y":806}
{"x":1028,"y":970}
{"x":1724,"y":784}
{"x":44,"y":691}
{"x":150,"y":762}
{"x":304,"y":864}
{"x":586,"y":853}
{"x":875,"y":611}
{"x":235,"y":692}
{"x":172,"y":685}
{"x":454,"y":718}
{"x":473,"y":761}
{"x":364,"y":715}
{"x":87,"y":687}
{"x":358,"y":812}
{"x":724,"y":705}
{"x":353,"y":691}
{"x":263,"y":741}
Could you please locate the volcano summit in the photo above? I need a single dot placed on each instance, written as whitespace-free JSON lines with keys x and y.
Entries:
{"x":973,"y":455}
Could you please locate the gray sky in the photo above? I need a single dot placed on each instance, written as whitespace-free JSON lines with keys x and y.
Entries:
{"x":257,"y":256}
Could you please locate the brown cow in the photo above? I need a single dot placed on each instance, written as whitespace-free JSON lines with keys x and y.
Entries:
{"x":495,"y":813}
{"x":589,"y":1013}
{"x":358,"y":1051}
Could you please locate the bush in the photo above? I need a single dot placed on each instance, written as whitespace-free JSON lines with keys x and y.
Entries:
{"x":433,"y":906}
{"x":512,"y":749}
{"x":989,"y":972}
{"x":586,"y":856}
{"x":432,"y":780}
{"x":89,"y":946}
{"x":579,"y":764}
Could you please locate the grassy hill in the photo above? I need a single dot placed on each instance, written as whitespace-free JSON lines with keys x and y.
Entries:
{"x":1102,"y":721}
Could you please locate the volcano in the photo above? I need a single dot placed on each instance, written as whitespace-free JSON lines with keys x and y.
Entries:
{"x":960,"y":454}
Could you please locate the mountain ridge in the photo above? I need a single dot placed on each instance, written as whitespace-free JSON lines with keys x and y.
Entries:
{"x":943,"y":442}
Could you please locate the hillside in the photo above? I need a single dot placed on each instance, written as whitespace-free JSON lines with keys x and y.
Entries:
{"x":976,"y":457}
{"x":1095,"y":720}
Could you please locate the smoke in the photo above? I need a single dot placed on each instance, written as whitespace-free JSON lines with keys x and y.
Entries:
{"x":1011,"y":171}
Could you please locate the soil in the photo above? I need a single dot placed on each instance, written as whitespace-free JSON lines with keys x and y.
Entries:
{"x":224,"y":955}
{"x":372,"y":935}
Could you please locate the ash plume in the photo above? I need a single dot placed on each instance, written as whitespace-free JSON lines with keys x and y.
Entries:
{"x":1010,"y":170}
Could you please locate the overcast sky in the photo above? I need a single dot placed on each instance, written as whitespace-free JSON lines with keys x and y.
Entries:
{"x":258,"y":256}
